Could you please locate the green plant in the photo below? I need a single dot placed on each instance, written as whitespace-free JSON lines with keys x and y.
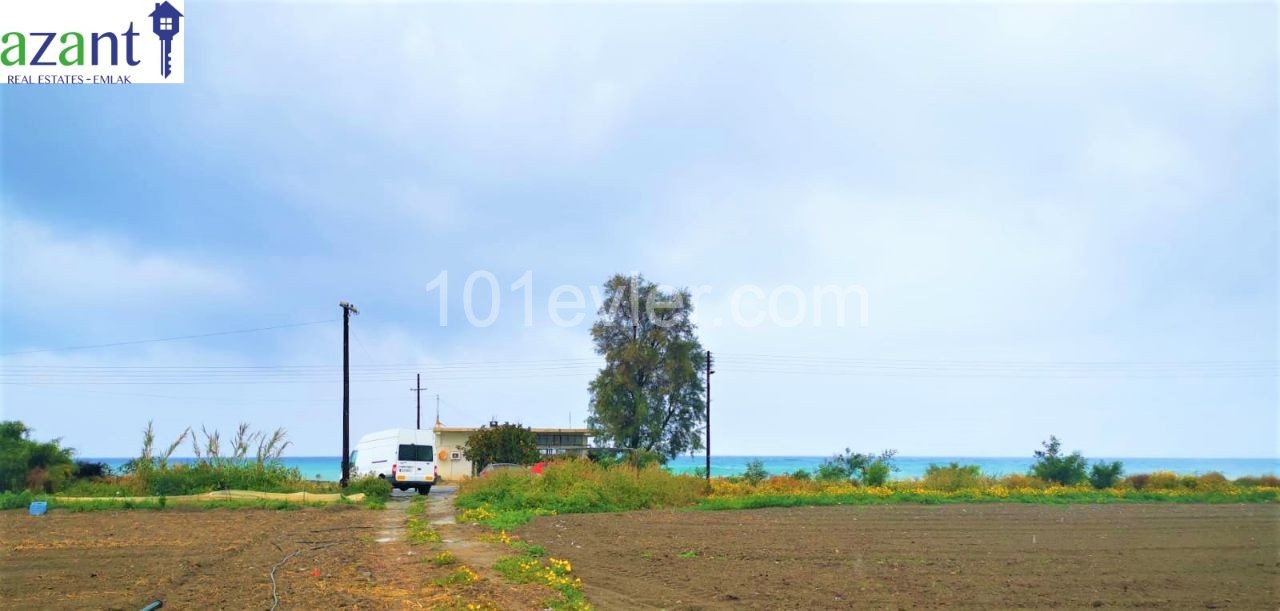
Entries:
{"x":1105,"y":475}
{"x":877,"y":473}
{"x":802,"y":475}
{"x":1053,"y":466}
{"x":29,"y":464}
{"x":507,"y":499}
{"x":502,"y":443}
{"x":649,"y":394}
{"x":687,"y":554}
{"x":755,"y":472}
{"x":418,"y":531}
{"x":858,"y":468}
{"x":461,"y":576}
{"x":443,"y":559}
{"x":374,"y":488}
{"x":554,"y":573}
{"x":91,"y":470}
{"x":16,"y":500}
{"x":1264,"y":480}
{"x":952,"y":477}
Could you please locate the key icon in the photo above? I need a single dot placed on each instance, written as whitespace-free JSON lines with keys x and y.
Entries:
{"x":165,"y":22}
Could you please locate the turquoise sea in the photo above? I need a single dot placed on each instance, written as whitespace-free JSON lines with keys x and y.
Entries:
{"x":327,"y":468}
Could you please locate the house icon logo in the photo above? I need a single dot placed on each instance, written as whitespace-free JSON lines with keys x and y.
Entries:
{"x":91,"y":42}
{"x":165,"y":22}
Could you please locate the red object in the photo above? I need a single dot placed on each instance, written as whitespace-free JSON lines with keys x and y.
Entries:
{"x":537,"y":467}
{"x":315,"y":572}
{"x":393,"y":471}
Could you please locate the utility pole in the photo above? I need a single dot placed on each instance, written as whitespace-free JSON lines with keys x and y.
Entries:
{"x":709,"y":372}
{"x":347,"y":311}
{"x":437,"y":409}
{"x":419,"y":390}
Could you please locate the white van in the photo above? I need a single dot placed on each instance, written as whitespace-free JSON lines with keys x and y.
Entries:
{"x":405,"y":457}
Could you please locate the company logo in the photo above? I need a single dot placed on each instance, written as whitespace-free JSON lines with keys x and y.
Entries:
{"x":91,"y":42}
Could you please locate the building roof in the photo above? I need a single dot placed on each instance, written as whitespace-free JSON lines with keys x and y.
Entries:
{"x":472,"y":429}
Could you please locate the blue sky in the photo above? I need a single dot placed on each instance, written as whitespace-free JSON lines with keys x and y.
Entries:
{"x":1013,"y":183}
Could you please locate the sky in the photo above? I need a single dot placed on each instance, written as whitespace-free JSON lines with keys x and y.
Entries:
{"x":1060,"y":219}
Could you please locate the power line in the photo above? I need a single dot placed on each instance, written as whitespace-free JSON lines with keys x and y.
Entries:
{"x":778,"y":357}
{"x":169,"y":339}
{"x":404,"y":366}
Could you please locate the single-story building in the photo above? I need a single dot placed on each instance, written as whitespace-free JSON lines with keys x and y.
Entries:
{"x":450,"y":441}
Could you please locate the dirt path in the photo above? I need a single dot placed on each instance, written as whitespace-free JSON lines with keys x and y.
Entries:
{"x":975,"y":556}
{"x":466,"y":541}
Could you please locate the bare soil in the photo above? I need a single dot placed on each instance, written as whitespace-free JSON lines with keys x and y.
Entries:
{"x":893,"y":556}
{"x":221,"y":559}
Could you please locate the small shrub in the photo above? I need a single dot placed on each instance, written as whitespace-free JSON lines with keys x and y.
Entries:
{"x":1015,"y":481}
{"x":755,"y":473}
{"x":1138,"y":481}
{"x":374,"y":488}
{"x":1256,"y":481}
{"x":1105,"y":475}
{"x":801,"y":475}
{"x":1161,"y":480}
{"x":858,"y":468}
{"x":952,"y":477}
{"x":16,"y":500}
{"x":1211,"y":481}
{"x":1054,"y":467}
{"x":86,"y":470}
{"x":877,"y":473}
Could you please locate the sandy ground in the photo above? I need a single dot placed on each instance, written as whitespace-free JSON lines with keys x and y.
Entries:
{"x":975,"y":556}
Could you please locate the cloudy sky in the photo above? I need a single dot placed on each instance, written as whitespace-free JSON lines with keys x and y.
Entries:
{"x":1064,"y":219}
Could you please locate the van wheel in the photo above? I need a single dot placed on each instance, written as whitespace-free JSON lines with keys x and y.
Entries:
{"x":423,"y":490}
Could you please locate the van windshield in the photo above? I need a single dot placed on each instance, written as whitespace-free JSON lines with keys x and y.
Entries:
{"x":415,"y":452}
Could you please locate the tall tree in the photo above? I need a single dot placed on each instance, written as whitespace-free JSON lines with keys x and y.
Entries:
{"x":649,"y":395}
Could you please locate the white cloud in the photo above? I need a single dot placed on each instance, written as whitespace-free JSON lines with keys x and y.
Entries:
{"x":98,"y":283}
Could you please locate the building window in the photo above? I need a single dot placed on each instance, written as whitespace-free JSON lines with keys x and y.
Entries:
{"x":166,"y":23}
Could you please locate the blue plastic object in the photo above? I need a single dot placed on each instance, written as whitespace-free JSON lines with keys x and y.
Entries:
{"x":38,"y":508}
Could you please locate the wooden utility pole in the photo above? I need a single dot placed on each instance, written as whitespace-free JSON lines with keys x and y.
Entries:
{"x":419,"y":390}
{"x":347,"y":311}
{"x":709,"y":372}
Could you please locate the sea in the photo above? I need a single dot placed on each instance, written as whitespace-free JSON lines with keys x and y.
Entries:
{"x":328,"y":468}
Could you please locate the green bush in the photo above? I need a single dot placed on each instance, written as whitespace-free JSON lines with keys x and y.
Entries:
{"x":952,"y":477}
{"x":1249,"y":481}
{"x":577,"y":486}
{"x":375,"y":488}
{"x":1052,"y":466}
{"x":1105,"y":475}
{"x":33,"y":465}
{"x":866,"y":469}
{"x":755,"y":472}
{"x":802,"y":475}
{"x":16,"y":500}
{"x":877,"y":473}
{"x":1210,"y":481}
{"x":1159,"y":480}
{"x":220,"y":474}
{"x":502,"y":443}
